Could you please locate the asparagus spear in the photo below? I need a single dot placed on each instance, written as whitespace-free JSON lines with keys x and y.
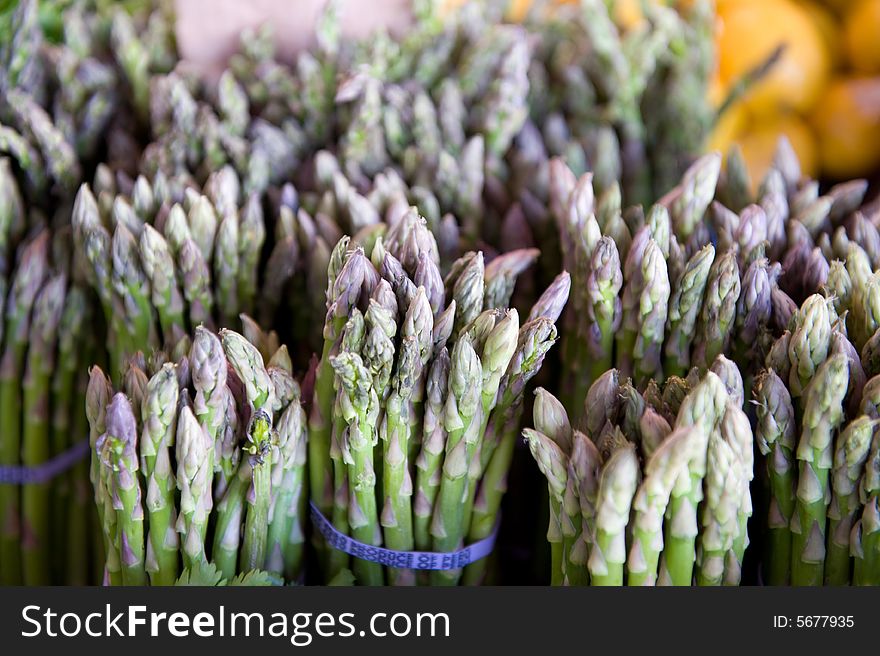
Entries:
{"x":69,"y":426}
{"x":866,"y":534}
{"x":498,"y":349}
{"x":724,"y":485}
{"x":775,"y":434}
{"x":398,"y":425}
{"x":461,"y":421}
{"x":226,"y":268}
{"x":360,"y":409}
{"x":579,"y":506}
{"x":684,"y":309}
{"x":286,"y":530}
{"x":194,"y":475}
{"x":719,"y":309}
{"x":98,"y":396}
{"x":617,"y":487}
{"x":702,"y":408}
{"x":603,"y":305}
{"x":246,"y":361}
{"x":251,"y":236}
{"x":809,"y":343}
{"x":159,"y":416}
{"x":159,"y":269}
{"x":209,"y":372}
{"x":32,"y":271}
{"x":343,"y":290}
{"x":737,"y":432}
{"x":653,"y":303}
{"x":430,"y":458}
{"x":666,"y":466}
{"x":553,"y":463}
{"x":36,"y":449}
{"x":850,"y":454}
{"x":823,"y":412}
{"x":130,"y":285}
{"x":118,"y":453}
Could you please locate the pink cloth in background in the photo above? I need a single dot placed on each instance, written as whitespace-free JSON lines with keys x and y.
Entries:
{"x":208,"y":31}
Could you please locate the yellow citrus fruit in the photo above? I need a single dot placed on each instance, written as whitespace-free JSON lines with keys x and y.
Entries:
{"x":758,"y":143}
{"x":751,"y":31}
{"x":838,"y":6}
{"x":847,"y":125}
{"x":829,"y":28}
{"x":862,"y":34}
{"x":627,"y":14}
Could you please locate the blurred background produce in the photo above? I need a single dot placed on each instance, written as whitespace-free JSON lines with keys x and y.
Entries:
{"x":823,"y":94}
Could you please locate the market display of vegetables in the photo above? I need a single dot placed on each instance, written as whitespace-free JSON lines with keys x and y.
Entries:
{"x":338,"y":320}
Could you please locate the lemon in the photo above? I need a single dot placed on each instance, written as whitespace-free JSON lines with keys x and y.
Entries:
{"x":862,"y":35}
{"x":758,"y":143}
{"x":751,"y":31}
{"x":829,"y":28}
{"x":847,"y":124}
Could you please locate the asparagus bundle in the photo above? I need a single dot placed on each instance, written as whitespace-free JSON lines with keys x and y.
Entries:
{"x":75,"y":83}
{"x":43,"y":344}
{"x":418,"y":396}
{"x":655,"y":490}
{"x":671,"y":288}
{"x":817,"y":426}
{"x":198,"y":464}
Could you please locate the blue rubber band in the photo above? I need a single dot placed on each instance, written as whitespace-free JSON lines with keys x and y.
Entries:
{"x":22,"y":475}
{"x":425,"y":560}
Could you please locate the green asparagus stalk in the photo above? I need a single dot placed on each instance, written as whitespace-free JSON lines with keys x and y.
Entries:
{"x":775,"y":434}
{"x":810,"y":341}
{"x":666,"y":466}
{"x":535,"y":339}
{"x":866,"y":533}
{"x":32,"y":271}
{"x":130,"y":285}
{"x":498,"y":349}
{"x":159,"y":417}
{"x":430,"y":459}
{"x":69,"y":426}
{"x":719,"y":309}
{"x":850,"y":454}
{"x":618,"y":482}
{"x":360,"y":409}
{"x":398,"y":424}
{"x":246,"y":361}
{"x":579,"y":506}
{"x":118,"y":452}
{"x":737,"y":432}
{"x":603,"y":305}
{"x":159,"y":269}
{"x":98,"y":396}
{"x":823,"y":412}
{"x":653,"y":303}
{"x":724,"y":484}
{"x":684,"y":309}
{"x":553,"y":463}
{"x":36,"y":448}
{"x":211,"y":400}
{"x":702,"y":408}
{"x":194,"y":474}
{"x":286,"y":529}
{"x":461,"y":421}
{"x":343,"y":291}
